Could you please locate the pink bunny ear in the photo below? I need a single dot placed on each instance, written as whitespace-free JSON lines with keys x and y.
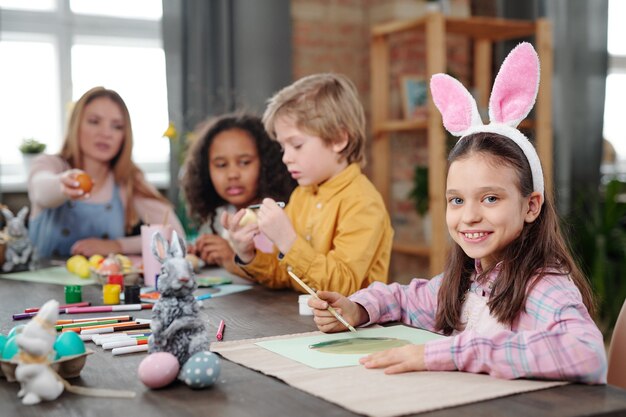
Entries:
{"x":457,"y":106}
{"x":516,"y":85}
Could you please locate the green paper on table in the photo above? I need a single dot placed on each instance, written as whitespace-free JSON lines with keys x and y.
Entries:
{"x":211,"y":281}
{"x":220,"y":290}
{"x":301,"y":349}
{"x":55,"y":275}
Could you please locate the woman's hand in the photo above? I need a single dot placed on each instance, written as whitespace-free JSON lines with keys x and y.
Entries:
{"x":397,"y":360}
{"x":240,"y":236}
{"x":92,"y":246}
{"x":276,"y":225}
{"x":70,"y":187}
{"x":354,"y":313}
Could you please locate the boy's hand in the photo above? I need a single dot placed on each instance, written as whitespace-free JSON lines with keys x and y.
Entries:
{"x":240,"y":236}
{"x":354,"y":313}
{"x":275,"y":224}
{"x":397,"y":360}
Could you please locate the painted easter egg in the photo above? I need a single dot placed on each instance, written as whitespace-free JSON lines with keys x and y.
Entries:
{"x":68,"y":344}
{"x":158,"y":369}
{"x":85,"y":182}
{"x":201,"y":370}
{"x":10,"y":349}
{"x":3,"y":341}
{"x":16,"y":330}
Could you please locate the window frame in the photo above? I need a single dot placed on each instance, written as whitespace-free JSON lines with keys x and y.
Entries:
{"x":65,"y":28}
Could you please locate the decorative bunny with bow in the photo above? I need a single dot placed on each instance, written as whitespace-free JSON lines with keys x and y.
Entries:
{"x":19,"y":250}
{"x":38,"y":381}
{"x":512,"y":97}
{"x":176,"y":325}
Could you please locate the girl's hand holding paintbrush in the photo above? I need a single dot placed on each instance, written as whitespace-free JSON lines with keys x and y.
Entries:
{"x":402,"y":359}
{"x":326,"y":322}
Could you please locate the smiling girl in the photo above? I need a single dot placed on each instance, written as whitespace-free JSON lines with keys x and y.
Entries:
{"x":511,"y":299}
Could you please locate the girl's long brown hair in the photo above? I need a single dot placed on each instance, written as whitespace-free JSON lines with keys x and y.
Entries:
{"x":539,"y":250}
{"x":125,"y":172}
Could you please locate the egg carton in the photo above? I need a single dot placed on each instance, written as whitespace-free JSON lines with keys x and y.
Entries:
{"x":131,"y":277}
{"x":67,"y":367}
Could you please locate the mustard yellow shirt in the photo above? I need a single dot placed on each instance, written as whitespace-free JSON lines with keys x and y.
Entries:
{"x":344,"y":238}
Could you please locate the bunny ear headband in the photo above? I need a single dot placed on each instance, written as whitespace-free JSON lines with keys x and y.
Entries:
{"x":512,"y":97}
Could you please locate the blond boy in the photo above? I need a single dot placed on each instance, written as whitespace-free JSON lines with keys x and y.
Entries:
{"x":335,"y":233}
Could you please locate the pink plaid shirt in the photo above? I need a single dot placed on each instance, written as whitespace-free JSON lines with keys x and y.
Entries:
{"x":554,"y":338}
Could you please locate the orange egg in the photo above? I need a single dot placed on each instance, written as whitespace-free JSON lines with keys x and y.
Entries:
{"x":84,"y":182}
{"x":109,"y":268}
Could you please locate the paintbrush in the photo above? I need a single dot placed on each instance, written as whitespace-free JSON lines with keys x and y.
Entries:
{"x":332,"y":310}
{"x":258,"y":206}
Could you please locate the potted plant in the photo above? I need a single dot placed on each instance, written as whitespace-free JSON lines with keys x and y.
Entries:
{"x":30,"y":147}
{"x":419,"y":195}
{"x":599,"y":242}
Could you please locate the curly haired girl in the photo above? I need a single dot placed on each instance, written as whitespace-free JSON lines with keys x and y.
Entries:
{"x":232,"y":164}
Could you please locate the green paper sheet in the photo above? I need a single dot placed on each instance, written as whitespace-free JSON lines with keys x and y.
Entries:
{"x":297,"y":349}
{"x":220,"y":290}
{"x":54,"y":275}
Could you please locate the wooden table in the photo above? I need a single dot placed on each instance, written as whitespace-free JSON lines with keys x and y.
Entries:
{"x":240,"y":391}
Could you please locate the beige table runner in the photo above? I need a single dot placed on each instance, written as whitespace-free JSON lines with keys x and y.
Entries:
{"x":371,"y":392}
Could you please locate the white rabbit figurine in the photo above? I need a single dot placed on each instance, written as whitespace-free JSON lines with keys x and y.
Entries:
{"x":38,"y":381}
{"x":176,"y":325}
{"x":19,"y":250}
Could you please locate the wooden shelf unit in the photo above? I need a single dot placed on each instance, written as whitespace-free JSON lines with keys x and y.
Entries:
{"x":483,"y":31}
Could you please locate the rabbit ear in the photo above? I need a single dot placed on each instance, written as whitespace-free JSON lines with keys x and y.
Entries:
{"x":22,"y":213}
{"x":177,"y":249}
{"x":159,"y":246}
{"x":457,"y":106}
{"x":8,"y":216}
{"x":515,"y":88}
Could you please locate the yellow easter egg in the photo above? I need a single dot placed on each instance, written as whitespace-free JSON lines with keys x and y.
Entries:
{"x":95,"y":261}
{"x":248,"y":218}
{"x":73,"y":262}
{"x":124,"y":261}
{"x":82,"y":270}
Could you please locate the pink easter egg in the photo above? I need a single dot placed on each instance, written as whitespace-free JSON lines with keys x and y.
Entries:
{"x":158,"y":369}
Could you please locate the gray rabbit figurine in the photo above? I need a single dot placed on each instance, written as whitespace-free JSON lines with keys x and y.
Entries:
{"x":176,"y":325}
{"x":19,"y":249}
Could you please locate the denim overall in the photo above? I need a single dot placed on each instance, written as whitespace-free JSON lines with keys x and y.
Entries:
{"x":55,"y":230}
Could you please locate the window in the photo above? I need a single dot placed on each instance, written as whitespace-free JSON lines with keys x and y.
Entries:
{"x":52,"y":51}
{"x":614,"y":130}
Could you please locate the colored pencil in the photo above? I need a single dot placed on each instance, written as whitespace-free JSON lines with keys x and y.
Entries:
{"x":113,"y":329}
{"x":220,"y":330}
{"x":258,"y":206}
{"x":108,"y":309}
{"x":137,"y":341}
{"x":81,"y":304}
{"x":129,"y":349}
{"x":84,"y":324}
{"x":69,"y":321}
{"x":99,"y":339}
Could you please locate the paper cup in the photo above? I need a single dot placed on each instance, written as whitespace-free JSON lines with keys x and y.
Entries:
{"x":151,"y":265}
{"x":303,"y":307}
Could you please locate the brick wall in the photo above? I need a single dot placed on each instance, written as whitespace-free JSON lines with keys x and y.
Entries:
{"x":334,"y":35}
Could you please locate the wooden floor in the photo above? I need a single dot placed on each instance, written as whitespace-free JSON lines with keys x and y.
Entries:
{"x":239,"y":390}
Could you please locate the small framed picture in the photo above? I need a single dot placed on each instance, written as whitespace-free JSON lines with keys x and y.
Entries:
{"x":414,"y":96}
